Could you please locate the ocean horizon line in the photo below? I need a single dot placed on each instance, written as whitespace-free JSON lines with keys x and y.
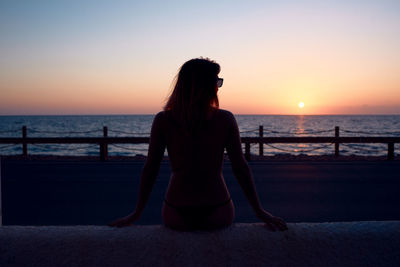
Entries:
{"x":241,"y":114}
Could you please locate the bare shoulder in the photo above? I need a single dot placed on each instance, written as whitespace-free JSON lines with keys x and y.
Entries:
{"x":225,"y":116}
{"x":160,"y":114}
{"x":159,"y":121}
{"x":159,"y":117}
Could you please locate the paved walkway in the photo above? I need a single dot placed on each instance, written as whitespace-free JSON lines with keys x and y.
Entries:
{"x":60,"y":192}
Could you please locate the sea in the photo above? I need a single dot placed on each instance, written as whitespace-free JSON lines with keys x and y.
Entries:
{"x":140,"y":125}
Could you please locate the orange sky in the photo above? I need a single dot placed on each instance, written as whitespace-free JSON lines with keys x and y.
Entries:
{"x":337,"y":57}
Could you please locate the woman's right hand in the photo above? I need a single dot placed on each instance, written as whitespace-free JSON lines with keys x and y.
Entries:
{"x":272,"y":222}
{"x":124,"y":221}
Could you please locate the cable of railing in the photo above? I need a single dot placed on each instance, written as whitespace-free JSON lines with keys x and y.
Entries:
{"x":371,"y":133}
{"x":298,"y":133}
{"x":352,"y":146}
{"x":249,"y":131}
{"x":299,"y":151}
{"x":357,"y":147}
{"x":64,"y":132}
{"x":316,"y":132}
{"x":128,"y":148}
{"x":49,"y":148}
{"x":6,"y":146}
{"x":128,"y":133}
{"x":10,"y":131}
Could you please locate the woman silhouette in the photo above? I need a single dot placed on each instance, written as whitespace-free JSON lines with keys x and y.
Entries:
{"x":196,"y":132}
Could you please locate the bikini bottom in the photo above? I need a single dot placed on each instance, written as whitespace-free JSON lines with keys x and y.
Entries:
{"x":195,"y":215}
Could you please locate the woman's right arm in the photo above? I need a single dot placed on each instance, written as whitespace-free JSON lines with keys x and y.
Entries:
{"x":150,"y":171}
{"x":244,"y":177}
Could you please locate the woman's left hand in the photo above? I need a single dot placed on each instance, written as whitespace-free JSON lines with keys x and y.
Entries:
{"x":124,"y":221}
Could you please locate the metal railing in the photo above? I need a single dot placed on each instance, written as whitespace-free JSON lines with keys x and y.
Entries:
{"x":106,"y":140}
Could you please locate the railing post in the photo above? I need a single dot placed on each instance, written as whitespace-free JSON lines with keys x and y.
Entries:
{"x":390,"y":151}
{"x":261,"y":144}
{"x":337,"y":142}
{"x":247,"y":151}
{"x":24,"y":145}
{"x":105,"y":134}
{"x":104,"y":145}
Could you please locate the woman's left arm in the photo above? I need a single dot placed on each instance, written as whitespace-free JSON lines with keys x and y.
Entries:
{"x":150,"y":170}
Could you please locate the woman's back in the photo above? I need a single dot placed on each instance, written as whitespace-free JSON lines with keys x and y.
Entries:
{"x":197,"y":159}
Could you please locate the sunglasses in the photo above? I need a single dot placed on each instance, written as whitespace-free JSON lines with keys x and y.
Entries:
{"x":220,"y":81}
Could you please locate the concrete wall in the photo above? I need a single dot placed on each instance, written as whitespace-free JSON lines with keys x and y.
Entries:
{"x":304,"y":244}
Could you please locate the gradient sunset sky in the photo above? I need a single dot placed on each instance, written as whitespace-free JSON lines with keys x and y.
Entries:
{"x":120,"y":57}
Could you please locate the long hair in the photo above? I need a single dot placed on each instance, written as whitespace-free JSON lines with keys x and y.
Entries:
{"x":194,"y":93}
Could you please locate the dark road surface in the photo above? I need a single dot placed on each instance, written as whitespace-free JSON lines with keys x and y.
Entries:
{"x":65,"y":192}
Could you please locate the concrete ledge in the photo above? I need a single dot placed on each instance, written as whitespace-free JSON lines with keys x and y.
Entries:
{"x":304,"y":244}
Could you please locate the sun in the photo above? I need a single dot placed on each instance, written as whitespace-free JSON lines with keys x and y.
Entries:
{"x":301,"y":104}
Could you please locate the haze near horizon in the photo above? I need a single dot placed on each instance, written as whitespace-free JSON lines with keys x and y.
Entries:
{"x":120,"y":57}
